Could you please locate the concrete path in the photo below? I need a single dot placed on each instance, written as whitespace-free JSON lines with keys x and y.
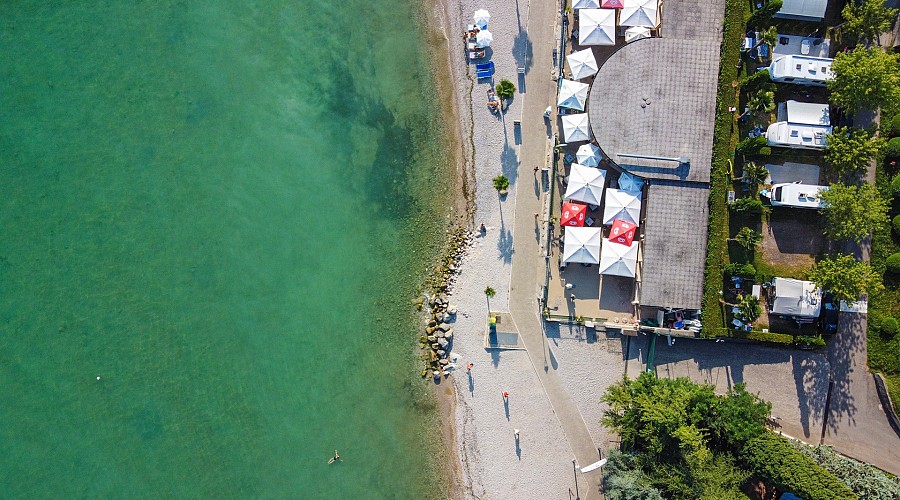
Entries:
{"x":528,"y":262}
{"x":857,"y":425}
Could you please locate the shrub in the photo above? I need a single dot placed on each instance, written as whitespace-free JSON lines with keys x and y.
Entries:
{"x":889,"y":326}
{"x":896,"y":224}
{"x":747,"y":206}
{"x":807,"y":341}
{"x":892,"y":150}
{"x":765,"y":151}
{"x":895,"y":125}
{"x":750,"y":146}
{"x":865,"y":480}
{"x":895,"y":185}
{"x":893,"y":263}
{"x":774,"y":460}
{"x":742,"y":270}
{"x":506,"y":89}
{"x":751,"y":83}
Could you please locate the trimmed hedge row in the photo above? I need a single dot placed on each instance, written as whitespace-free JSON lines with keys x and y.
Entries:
{"x":736,"y":14}
{"x":772,"y":458}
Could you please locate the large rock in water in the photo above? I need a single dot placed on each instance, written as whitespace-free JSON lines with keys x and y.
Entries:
{"x":451,"y":310}
{"x":442,"y":342}
{"x":444,"y":327}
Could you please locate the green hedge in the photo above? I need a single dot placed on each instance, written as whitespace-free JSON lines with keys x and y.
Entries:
{"x":892,"y":264}
{"x":757,"y":335}
{"x":736,"y":14}
{"x":773,"y":459}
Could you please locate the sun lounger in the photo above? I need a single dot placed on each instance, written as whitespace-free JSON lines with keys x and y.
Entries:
{"x":485,"y":74}
{"x":484,"y":66}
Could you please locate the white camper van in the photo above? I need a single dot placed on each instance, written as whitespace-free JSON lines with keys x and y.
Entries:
{"x":796,"y":195}
{"x":801,"y":70}
{"x":800,"y":125}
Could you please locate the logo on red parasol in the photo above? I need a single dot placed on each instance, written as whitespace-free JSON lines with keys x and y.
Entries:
{"x":622,"y":232}
{"x":572,"y":214}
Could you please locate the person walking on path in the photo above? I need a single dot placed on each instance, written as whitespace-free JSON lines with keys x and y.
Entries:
{"x":505,"y":396}
{"x":469,"y":367}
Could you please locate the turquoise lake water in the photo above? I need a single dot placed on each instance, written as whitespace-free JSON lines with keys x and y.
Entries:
{"x":222,"y":209}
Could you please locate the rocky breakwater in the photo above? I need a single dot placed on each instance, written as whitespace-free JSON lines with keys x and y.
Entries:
{"x":437,"y":340}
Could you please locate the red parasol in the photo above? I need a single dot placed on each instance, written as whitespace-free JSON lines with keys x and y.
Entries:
{"x":572,"y":214}
{"x":612,"y":4}
{"x":622,"y":232}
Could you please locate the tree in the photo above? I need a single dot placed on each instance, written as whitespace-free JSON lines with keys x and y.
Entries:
{"x":845,"y":277}
{"x":866,"y":78}
{"x":623,"y":479}
{"x":501,"y":183}
{"x":749,"y":308}
{"x":754,"y":173}
{"x":489,"y":293}
{"x":506,"y":89}
{"x":853,"y":212}
{"x":748,"y":238}
{"x":762,"y":102}
{"x":850,"y":150}
{"x":763,"y":16}
{"x":868,"y":20}
{"x":739,"y":417}
{"x":769,"y":36}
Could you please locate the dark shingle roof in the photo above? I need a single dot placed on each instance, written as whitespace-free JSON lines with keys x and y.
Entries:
{"x":674,"y":256}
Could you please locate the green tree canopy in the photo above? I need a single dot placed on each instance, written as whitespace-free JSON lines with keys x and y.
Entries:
{"x":853,"y":212}
{"x":681,"y":436}
{"x":850,"y":150}
{"x":754,"y":173}
{"x":866,"y":78}
{"x":506,"y":89}
{"x":748,"y":238}
{"x":845,"y":277}
{"x":867,"y":20}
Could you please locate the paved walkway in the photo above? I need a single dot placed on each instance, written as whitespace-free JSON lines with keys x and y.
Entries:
{"x":528,"y":261}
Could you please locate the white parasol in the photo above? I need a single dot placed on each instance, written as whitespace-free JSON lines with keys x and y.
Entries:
{"x":582,"y":63}
{"x":481,"y":18}
{"x":589,"y":156}
{"x":483,"y":39}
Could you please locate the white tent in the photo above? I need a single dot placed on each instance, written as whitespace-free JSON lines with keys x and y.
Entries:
{"x":572,"y":94}
{"x":636,"y":33}
{"x":621,"y":205}
{"x":597,"y":27}
{"x":640,"y":13}
{"x":585,"y":184}
{"x":575,"y":127}
{"x":481,"y":18}
{"x":582,"y":63}
{"x":582,"y":244}
{"x":589,"y":155}
{"x":483,"y":39}
{"x":630,"y":183}
{"x":585,"y":4}
{"x":618,"y":259}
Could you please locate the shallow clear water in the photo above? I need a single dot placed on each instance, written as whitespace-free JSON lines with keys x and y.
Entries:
{"x":223,"y":211}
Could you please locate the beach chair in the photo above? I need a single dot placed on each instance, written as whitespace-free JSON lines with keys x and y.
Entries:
{"x":484,"y":66}
{"x":485,"y":74}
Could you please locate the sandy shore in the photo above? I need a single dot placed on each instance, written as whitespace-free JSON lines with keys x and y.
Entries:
{"x":492,"y":462}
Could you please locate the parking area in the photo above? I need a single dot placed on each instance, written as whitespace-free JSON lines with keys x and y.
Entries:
{"x":796,"y":382}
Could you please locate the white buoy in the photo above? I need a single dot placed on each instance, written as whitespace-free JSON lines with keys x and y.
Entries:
{"x":98,"y":377}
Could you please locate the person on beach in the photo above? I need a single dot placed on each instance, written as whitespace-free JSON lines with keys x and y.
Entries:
{"x":469,"y":367}
{"x":483,"y":229}
{"x":505,"y":396}
{"x":517,"y":434}
{"x":335,"y":458}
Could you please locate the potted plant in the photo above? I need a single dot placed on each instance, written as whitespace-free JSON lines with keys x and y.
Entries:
{"x":501,"y":184}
